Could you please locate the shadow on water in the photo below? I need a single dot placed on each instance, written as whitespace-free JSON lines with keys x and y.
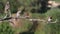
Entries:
{"x":32,"y":29}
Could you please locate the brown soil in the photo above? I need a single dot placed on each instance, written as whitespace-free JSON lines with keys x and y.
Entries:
{"x":16,"y":22}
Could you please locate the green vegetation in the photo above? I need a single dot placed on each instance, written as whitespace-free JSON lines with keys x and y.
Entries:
{"x":5,"y":28}
{"x":43,"y":28}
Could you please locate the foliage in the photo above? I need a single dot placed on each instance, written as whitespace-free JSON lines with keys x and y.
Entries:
{"x":14,"y":4}
{"x":34,"y":5}
{"x":53,"y":28}
{"x":1,"y":7}
{"x":55,"y":13}
{"x":5,"y":28}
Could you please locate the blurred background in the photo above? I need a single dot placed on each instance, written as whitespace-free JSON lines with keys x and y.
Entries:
{"x":37,"y":9}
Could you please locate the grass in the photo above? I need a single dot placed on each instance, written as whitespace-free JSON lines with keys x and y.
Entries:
{"x":2,"y":15}
{"x":42,"y":28}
